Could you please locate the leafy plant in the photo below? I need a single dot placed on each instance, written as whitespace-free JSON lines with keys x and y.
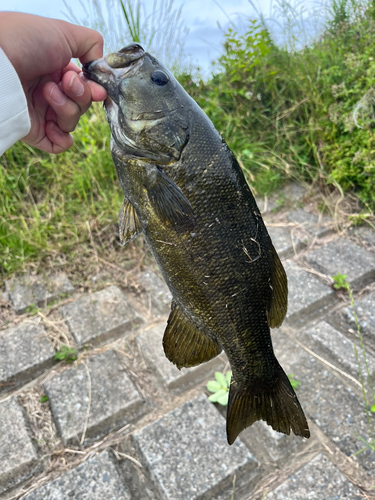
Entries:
{"x":339,"y":282}
{"x":67,"y":354}
{"x":220,"y":388}
{"x":32,"y":309}
{"x":44,"y":399}
{"x":294,"y":382}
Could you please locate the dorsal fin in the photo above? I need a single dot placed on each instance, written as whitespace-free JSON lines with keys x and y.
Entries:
{"x":279,"y":283}
{"x":130,"y":226}
{"x":184,"y":344}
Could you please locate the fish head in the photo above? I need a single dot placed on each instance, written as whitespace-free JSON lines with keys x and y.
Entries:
{"x":145,"y":104}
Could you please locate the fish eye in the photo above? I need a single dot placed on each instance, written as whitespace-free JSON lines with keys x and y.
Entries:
{"x":159,"y":78}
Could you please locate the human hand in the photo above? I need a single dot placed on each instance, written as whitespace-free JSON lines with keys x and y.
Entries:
{"x":40,"y":50}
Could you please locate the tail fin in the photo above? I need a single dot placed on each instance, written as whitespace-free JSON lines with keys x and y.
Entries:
{"x":278,"y":406}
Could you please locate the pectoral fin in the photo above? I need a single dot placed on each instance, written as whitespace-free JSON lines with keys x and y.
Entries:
{"x":130,"y":226}
{"x":184,"y":344}
{"x":279,"y":284}
{"x":169,"y":202}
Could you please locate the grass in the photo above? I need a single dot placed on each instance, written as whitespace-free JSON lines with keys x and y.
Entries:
{"x":53,"y":205}
{"x":159,"y":27}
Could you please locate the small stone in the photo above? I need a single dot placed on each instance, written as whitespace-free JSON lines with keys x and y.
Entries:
{"x":311,"y":223}
{"x":365,"y":310}
{"x":306,"y":293}
{"x":150,"y":343}
{"x":113,"y":399}
{"x":344,"y":257}
{"x":327,"y":400}
{"x":25,"y":352}
{"x":284,"y":242}
{"x":318,"y":480}
{"x":37,"y":291}
{"x":157,"y":298}
{"x":187,"y":454}
{"x":100,"y":316}
{"x":329,"y":342}
{"x":96,"y":479}
{"x":18,"y":456}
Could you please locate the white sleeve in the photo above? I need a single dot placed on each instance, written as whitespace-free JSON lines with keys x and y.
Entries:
{"x":14,"y":115}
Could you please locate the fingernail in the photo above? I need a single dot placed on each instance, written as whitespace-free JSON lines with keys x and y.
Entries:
{"x":57,"y":96}
{"x":76,"y":86}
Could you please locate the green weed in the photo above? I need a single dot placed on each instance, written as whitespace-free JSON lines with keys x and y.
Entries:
{"x":294,"y":382}
{"x":220,"y":388}
{"x":67,"y":354}
{"x":44,"y":399}
{"x":32,"y":309}
{"x":339,"y":282}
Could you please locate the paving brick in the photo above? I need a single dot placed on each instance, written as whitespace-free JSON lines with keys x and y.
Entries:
{"x":99,"y":316}
{"x":306,"y":293}
{"x":25,"y":352}
{"x":18,"y":457}
{"x":336,"y":348}
{"x":367,"y":234}
{"x":293,"y":192}
{"x":150,"y":343}
{"x":114,"y":400}
{"x":344,"y":257}
{"x":37,"y":291}
{"x":266,"y":205}
{"x":268,"y":445}
{"x":96,"y":479}
{"x":157,"y":298}
{"x":331,"y":404}
{"x":187,"y":453}
{"x":311,"y":223}
{"x":286,"y":245}
{"x":318,"y":480}
{"x":365,"y":310}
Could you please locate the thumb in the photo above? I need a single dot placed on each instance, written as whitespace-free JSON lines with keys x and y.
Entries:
{"x":85,"y":44}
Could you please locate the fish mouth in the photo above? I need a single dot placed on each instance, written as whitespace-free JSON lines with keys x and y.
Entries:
{"x":108,"y":70}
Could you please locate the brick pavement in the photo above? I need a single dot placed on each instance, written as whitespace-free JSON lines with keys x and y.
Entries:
{"x":130,"y":425}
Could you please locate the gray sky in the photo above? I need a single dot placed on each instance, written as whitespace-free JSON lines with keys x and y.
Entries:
{"x":200,"y":16}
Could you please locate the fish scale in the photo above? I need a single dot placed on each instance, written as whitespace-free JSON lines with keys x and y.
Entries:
{"x":185,"y":191}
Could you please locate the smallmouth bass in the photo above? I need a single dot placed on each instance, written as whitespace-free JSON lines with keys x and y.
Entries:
{"x":185,"y":191}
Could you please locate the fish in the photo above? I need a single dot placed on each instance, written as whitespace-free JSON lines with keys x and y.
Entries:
{"x":185,"y":191}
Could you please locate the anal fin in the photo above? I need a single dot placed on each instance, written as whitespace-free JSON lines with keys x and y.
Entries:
{"x":129,"y":226}
{"x":186,"y":345}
